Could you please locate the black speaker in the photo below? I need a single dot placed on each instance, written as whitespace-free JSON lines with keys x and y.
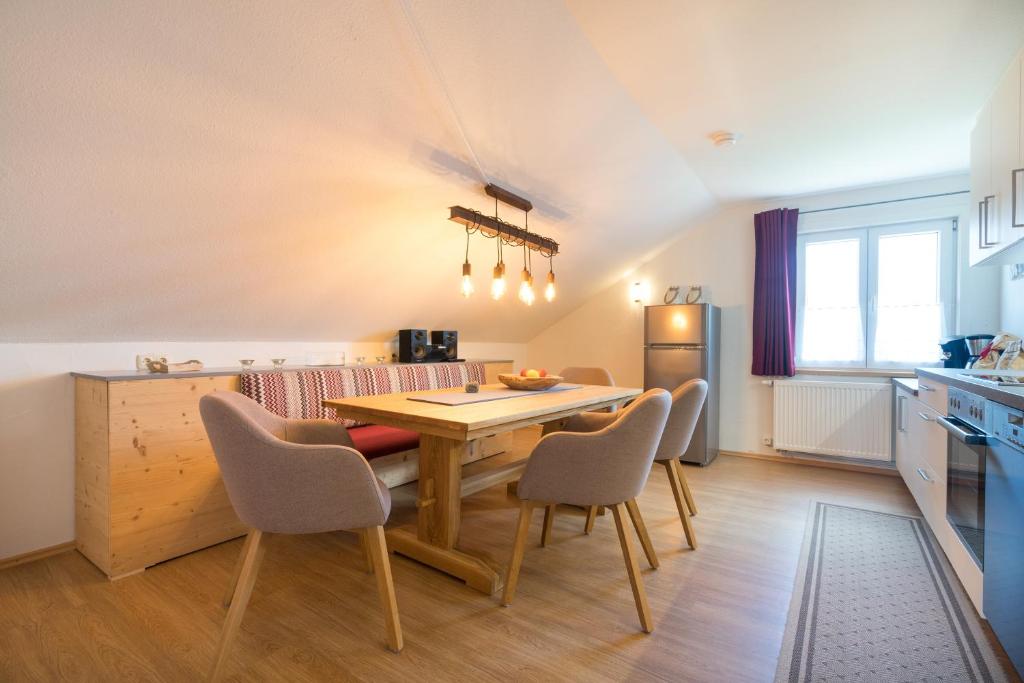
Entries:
{"x":412,"y":346}
{"x":449,"y":339}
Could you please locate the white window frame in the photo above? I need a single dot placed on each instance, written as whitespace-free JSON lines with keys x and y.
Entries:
{"x":869,"y":237}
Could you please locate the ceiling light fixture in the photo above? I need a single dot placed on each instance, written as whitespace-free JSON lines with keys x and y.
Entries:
{"x":549,"y":289}
{"x":724,"y":138}
{"x":467,"y":272}
{"x":506,"y":234}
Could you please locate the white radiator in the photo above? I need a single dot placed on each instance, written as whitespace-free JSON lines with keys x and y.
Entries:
{"x":846,"y":419}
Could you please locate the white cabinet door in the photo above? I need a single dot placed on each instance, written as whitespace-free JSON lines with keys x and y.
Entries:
{"x":902,"y":446}
{"x":1017,"y":176}
{"x":925,"y":471}
{"x":1005,"y":144}
{"x":981,"y":183}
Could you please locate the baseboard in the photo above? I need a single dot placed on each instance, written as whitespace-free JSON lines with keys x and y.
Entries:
{"x":817,"y":462}
{"x":34,"y":555}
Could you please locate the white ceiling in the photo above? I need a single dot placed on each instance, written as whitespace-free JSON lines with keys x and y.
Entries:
{"x":283,"y":170}
{"x":825,"y":94}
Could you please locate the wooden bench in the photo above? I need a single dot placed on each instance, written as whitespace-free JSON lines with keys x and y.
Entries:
{"x":147,"y":486}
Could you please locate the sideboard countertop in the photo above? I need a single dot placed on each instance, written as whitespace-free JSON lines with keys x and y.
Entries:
{"x":129,"y":375}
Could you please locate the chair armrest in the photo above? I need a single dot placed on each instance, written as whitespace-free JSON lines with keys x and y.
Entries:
{"x":322,"y":432}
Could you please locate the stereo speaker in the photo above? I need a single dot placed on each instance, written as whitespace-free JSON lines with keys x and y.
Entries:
{"x":412,"y":346}
{"x":447,"y":339}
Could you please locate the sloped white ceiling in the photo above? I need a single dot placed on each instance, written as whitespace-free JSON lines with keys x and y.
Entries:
{"x":825,"y":94}
{"x":273,"y":170}
{"x":283,"y":170}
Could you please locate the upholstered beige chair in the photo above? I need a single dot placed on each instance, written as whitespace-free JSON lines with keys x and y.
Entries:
{"x":687,"y":401}
{"x":573,"y":375}
{"x":293,"y":477}
{"x":606,"y":467}
{"x":580,"y":375}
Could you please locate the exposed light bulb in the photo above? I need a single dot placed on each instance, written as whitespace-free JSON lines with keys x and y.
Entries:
{"x":526,"y":294}
{"x":467,"y":280}
{"x":549,"y":289}
{"x":498,"y":283}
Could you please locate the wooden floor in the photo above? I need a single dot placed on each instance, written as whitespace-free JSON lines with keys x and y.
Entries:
{"x":719,"y":611}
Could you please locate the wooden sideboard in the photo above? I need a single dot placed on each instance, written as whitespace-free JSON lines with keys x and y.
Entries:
{"x":147,"y":486}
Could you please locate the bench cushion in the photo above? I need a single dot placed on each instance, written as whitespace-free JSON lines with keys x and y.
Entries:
{"x":298,"y":393}
{"x":374,"y":441}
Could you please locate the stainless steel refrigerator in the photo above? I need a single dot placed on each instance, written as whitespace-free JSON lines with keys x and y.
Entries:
{"x":681,"y":342}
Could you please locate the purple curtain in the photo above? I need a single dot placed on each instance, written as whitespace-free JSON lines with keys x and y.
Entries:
{"x":775,"y":293}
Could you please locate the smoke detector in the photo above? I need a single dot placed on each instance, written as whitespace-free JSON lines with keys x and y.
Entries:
{"x":723,"y":138}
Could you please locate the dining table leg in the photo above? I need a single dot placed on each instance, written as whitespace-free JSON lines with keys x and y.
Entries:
{"x":439,"y":503}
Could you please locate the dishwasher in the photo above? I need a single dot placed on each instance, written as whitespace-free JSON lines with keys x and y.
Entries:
{"x":1004,"y":530}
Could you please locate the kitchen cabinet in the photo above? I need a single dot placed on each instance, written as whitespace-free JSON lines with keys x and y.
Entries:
{"x":921,"y":457}
{"x":920,"y":447}
{"x":997,"y":169}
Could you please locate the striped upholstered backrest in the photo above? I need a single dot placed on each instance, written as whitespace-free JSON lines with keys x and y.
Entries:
{"x":298,"y":393}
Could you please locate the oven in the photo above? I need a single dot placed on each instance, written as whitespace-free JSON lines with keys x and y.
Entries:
{"x":966,"y":455}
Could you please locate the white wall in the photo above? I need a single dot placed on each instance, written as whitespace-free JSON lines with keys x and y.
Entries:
{"x":37,"y":418}
{"x":1011,"y":318}
{"x":719,"y":254}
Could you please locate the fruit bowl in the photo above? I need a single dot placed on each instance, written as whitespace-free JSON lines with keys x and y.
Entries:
{"x":529,"y":383}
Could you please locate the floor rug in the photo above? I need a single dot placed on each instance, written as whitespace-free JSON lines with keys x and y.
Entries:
{"x":876,"y":600}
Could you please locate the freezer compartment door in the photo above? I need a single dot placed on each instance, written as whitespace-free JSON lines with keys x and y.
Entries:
{"x":676,"y":324}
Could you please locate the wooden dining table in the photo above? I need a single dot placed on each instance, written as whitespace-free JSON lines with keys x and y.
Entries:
{"x":447,"y":432}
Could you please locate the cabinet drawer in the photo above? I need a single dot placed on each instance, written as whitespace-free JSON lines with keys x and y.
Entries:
{"x":933,"y":394}
{"x":929,"y":438}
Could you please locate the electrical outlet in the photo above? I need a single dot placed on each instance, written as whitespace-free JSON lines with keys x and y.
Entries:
{"x":766,"y":440}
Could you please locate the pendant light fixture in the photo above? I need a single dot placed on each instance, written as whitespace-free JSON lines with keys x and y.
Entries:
{"x":506,"y":233}
{"x":498,"y":283}
{"x":467,"y":272}
{"x":549,"y":289}
{"x":526,"y":286}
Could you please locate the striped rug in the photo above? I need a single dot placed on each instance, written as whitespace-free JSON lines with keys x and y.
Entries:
{"x":875,"y":600}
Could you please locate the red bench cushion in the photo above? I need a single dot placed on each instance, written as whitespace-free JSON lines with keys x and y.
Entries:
{"x":374,"y":441}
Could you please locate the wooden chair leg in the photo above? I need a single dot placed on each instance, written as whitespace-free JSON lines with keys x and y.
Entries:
{"x":549,"y":519}
{"x":364,"y":543}
{"x":237,"y":570}
{"x":374,"y":537}
{"x":244,"y":582}
{"x":518,"y":547}
{"x":635,"y":580}
{"x":591,"y":516}
{"x":672,"y":466}
{"x":641,"y":532}
{"x":690,"y":504}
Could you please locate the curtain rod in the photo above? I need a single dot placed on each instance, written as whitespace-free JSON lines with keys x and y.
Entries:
{"x":887,"y":201}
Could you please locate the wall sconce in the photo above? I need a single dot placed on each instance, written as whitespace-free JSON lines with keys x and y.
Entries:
{"x":640,"y":292}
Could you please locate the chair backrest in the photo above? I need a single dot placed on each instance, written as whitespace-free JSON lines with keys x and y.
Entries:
{"x":687,"y":402}
{"x":580,"y":375}
{"x":605,"y":467}
{"x":284,"y":487}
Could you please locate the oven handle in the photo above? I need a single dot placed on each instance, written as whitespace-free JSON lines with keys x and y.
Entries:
{"x":971,"y":438}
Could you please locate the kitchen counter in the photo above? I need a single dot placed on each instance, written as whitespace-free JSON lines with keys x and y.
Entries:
{"x":1010,"y":396}
{"x":906,"y":383}
{"x":127,"y":375}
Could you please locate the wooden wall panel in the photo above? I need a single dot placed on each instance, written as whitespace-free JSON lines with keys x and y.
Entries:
{"x":167,"y":497}
{"x":92,"y":472}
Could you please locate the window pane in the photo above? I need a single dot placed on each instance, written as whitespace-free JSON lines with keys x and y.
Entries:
{"x":909,"y":320}
{"x":832,"y":322}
